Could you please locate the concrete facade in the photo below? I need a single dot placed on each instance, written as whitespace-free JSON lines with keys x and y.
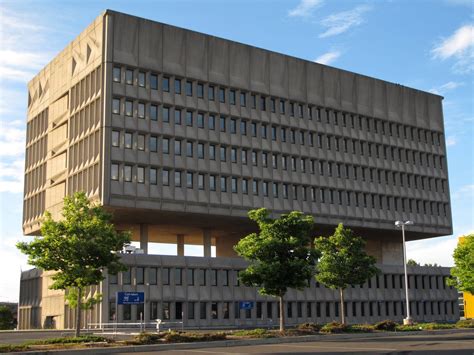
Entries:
{"x":163,"y":125}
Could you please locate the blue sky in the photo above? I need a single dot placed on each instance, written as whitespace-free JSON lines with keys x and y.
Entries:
{"x":428,"y":45}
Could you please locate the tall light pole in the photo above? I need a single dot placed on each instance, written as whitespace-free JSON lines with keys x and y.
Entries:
{"x":408,"y":320}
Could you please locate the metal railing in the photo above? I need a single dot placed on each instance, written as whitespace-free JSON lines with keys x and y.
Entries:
{"x":156,"y":325}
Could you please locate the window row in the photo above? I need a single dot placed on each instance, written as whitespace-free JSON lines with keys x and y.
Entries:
{"x":213,"y":92}
{"x":284,"y":134}
{"x":223,"y":184}
{"x":265,"y":159}
{"x":270,"y":310}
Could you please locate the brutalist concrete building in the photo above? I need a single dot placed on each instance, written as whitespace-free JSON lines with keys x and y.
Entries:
{"x":180,"y":134}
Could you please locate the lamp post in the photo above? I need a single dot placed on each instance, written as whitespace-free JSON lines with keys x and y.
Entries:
{"x":408,"y":320}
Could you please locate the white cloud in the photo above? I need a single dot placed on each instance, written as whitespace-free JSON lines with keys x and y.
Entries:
{"x":450,"y":85}
{"x":434,"y":250}
{"x":342,"y":21}
{"x":12,"y":148}
{"x":450,"y":141}
{"x":13,"y":261}
{"x":464,"y":192}
{"x":459,"y":46}
{"x":328,"y":57}
{"x":305,"y":8}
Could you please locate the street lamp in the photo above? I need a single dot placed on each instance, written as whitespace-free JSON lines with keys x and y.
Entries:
{"x":408,"y":320}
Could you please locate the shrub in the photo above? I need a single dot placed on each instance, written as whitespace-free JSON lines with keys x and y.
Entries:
{"x":361,"y":328}
{"x":433,"y":326}
{"x":334,"y":327}
{"x":254,"y":333}
{"x":309,"y":327}
{"x":70,"y":340}
{"x":408,"y":328}
{"x":181,"y":337}
{"x":149,"y":338}
{"x":8,"y":348}
{"x":386,"y":325}
{"x":465,"y":323}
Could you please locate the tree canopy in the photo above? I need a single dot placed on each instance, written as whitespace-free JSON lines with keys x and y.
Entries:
{"x":78,"y":247}
{"x":280,"y":255}
{"x":343,"y":262}
{"x":462,"y":274}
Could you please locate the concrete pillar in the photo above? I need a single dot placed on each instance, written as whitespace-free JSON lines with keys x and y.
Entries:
{"x":144,"y":238}
{"x":180,"y":244}
{"x":225,"y":246}
{"x":206,"y":241}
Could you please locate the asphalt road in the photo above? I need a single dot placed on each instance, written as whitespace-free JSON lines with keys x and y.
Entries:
{"x":459,"y":343}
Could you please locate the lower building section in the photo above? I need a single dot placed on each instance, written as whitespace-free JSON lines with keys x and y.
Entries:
{"x":205,"y":292}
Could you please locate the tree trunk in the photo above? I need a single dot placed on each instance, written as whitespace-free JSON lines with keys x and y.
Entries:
{"x":78,"y":312}
{"x":343,"y":311}
{"x":282,"y":315}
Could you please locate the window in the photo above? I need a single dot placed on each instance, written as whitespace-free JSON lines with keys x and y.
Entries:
{"x":212,"y":122}
{"x":189,"y":88}
{"x":210,"y":93}
{"x":165,"y":177}
{"x":177,"y":147}
{"x":189,"y":149}
{"x":200,"y":120}
{"x":116,"y":106}
{"x":117,"y":74}
{"x":213,"y":277}
{"x":115,"y":138}
{"x":233,"y":126}
{"x":141,"y":142}
{"x":222,"y":124}
{"x":202,"y":277}
{"x":189,"y":180}
{"x":177,"y":178}
{"x":202,"y":310}
{"x":153,"y":81}
{"x":128,"y":142}
{"x":272,"y":105}
{"x":129,"y":77}
{"x":128,"y":108}
{"x":189,"y":118}
{"x":166,"y":114}
{"x":274,"y":133}
{"x":166,"y":310}
{"x":201,"y":181}
{"x":190,"y":310}
{"x":177,"y":86}
{"x":265,"y":188}
{"x":140,"y":275}
{"x":200,"y":90}
{"x":126,"y":277}
{"x":177,"y":116}
{"x":254,"y":158}
{"x":200,"y":151}
{"x":166,"y":84}
{"x":223,"y":184}
{"x":165,"y":145}
{"x":263,"y":103}
{"x":212,"y":182}
{"x":254,"y":101}
{"x":127,"y":311}
{"x":114,"y":172}
{"x":282,"y":106}
{"x":141,"y":79}
{"x":178,"y":276}
{"x":232,"y":97}
{"x":243,"y":99}
{"x":153,"y":112}
{"x":263,"y":131}
{"x":233,"y":155}
{"x":221,"y":95}
{"x":233,"y":186}
{"x":127,"y":172}
{"x":153,"y":176}
{"x":244,"y":156}
{"x":245,"y":186}
{"x":253,"y":129}
{"x":212,"y":152}
{"x":243,"y":127}
{"x":255,"y":187}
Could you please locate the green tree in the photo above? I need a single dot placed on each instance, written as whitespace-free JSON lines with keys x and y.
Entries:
{"x":79,"y":247}
{"x":279,"y":255}
{"x":7,"y":321}
{"x":343,"y":262}
{"x":412,"y":262}
{"x":462,"y":274}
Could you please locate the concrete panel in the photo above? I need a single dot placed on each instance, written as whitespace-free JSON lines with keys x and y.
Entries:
{"x":259,"y":70}
{"x":394,"y":102}
{"x":331,"y":87}
{"x":348,"y":91}
{"x":174,"y":50}
{"x":196,"y":54}
{"x":239,"y":57}
{"x":364,"y":95}
{"x":297,"y":79}
{"x":379,"y":99}
{"x":435,"y":113}
{"x":150,"y":45}
{"x":278,"y":75}
{"x":125,"y":39}
{"x":218,"y":60}
{"x":314,"y":84}
{"x":421,"y":103}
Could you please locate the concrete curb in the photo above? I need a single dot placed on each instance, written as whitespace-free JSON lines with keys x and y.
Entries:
{"x":243,"y":342}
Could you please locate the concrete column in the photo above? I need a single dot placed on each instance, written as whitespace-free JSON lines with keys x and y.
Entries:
{"x":144,"y":238}
{"x":180,"y":244}
{"x":206,"y":241}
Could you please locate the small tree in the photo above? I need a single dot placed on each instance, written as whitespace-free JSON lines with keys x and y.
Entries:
{"x":79,"y":247}
{"x":280,"y":255}
{"x":343,"y":262}
{"x":7,"y":321}
{"x":462,"y":274}
{"x":412,"y":262}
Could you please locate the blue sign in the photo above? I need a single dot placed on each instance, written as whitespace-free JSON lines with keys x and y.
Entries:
{"x":130,"y":297}
{"x":245,"y":304}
